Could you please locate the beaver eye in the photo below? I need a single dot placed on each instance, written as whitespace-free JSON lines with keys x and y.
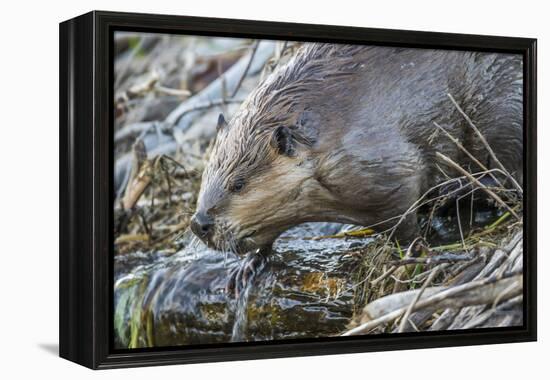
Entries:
{"x":237,"y":186}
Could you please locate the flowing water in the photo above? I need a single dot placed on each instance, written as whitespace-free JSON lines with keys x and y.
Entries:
{"x":303,"y":291}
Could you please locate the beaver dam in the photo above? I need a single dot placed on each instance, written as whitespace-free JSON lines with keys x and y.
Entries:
{"x":464,"y":270}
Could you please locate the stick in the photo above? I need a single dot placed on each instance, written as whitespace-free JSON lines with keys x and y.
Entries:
{"x":171,"y":91}
{"x":133,"y":129}
{"x":445,"y":258}
{"x":489,"y":313}
{"x":140,"y":176}
{"x":389,"y":272}
{"x":479,"y":184}
{"x":430,"y":301}
{"x":384,"y":275}
{"x":245,"y":71}
{"x":428,"y":281}
{"x":461,"y":147}
{"x":231,"y":77}
{"x":486,"y":144}
{"x":139,"y":127}
{"x":209,"y":104}
{"x":181,"y":119}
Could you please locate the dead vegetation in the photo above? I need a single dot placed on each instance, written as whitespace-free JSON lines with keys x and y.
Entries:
{"x":476,"y":281}
{"x":170,"y":90}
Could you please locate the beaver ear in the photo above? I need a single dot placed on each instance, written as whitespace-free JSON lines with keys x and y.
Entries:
{"x":283,"y":141}
{"x":221,"y":123}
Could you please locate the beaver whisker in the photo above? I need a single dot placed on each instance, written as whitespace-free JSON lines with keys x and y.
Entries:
{"x":230,"y":241}
{"x":233,"y":243}
{"x":223,"y":246}
{"x":225,"y":242}
{"x":226,"y":248}
{"x":231,"y":230}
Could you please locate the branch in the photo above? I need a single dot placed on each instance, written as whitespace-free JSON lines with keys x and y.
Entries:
{"x":182,"y":119}
{"x":245,"y":71}
{"x":479,"y":184}
{"x":461,"y":147}
{"x":472,"y":293}
{"x":440,"y":259}
{"x":486,"y":144}
{"x":428,"y":281}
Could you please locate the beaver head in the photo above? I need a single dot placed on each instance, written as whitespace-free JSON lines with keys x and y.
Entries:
{"x":253,"y":184}
{"x":266,"y":167}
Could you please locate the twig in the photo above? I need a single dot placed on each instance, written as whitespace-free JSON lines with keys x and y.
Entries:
{"x":361,"y":233}
{"x":134,"y":129}
{"x":168,"y":144}
{"x":140,"y":177}
{"x":460,"y":224}
{"x":384,"y":275}
{"x":461,"y":147}
{"x":476,"y":181}
{"x":416,"y":278}
{"x":501,"y":219}
{"x":208,"y":104}
{"x":428,"y":281}
{"x":486,"y":144}
{"x":141,"y":127}
{"x":245,"y":71}
{"x":445,"y":258}
{"x":131,"y":238}
{"x":171,"y":91}
{"x":430,"y":301}
{"x":409,"y":254}
{"x":223,"y":89}
{"x":492,"y":311}
{"x":419,"y":203}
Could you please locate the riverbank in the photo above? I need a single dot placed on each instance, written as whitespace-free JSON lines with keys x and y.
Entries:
{"x":464,"y":269}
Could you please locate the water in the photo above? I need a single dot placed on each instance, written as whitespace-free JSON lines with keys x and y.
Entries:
{"x":303,"y":291}
{"x":238,"y":332}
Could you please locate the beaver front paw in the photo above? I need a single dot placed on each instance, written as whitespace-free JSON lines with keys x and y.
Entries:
{"x":244,"y":273}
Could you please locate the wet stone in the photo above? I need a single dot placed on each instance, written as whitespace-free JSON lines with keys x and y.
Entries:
{"x":304,"y":291}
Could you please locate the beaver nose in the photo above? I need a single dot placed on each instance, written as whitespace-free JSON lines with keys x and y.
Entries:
{"x":201,"y":224}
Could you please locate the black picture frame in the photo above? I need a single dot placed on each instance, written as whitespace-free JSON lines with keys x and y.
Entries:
{"x":86,"y":188}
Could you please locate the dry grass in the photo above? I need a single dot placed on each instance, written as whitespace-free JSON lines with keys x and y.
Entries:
{"x":473,"y":282}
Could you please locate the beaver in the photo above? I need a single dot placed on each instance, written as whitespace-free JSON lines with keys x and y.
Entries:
{"x":345,"y":133}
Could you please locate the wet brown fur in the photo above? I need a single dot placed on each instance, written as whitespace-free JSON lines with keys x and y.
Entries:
{"x":361,"y":121}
